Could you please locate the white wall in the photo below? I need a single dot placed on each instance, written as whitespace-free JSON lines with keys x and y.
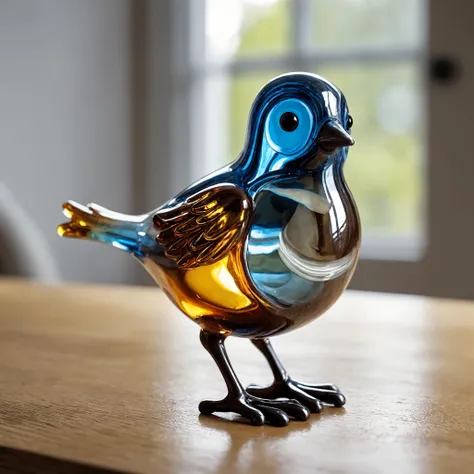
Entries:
{"x":65,"y":120}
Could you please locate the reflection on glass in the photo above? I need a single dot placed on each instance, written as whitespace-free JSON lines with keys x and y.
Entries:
{"x":303,"y":234}
{"x":345,"y":23}
{"x":246,"y":27}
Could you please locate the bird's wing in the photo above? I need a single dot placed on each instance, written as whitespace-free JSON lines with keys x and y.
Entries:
{"x":202,"y":229}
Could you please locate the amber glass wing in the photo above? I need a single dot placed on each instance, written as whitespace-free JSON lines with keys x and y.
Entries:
{"x":205,"y":227}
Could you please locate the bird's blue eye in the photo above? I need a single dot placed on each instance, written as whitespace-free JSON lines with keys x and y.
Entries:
{"x":289,"y":126}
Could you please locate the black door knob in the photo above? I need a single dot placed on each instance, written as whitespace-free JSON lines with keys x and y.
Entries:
{"x":444,"y":69}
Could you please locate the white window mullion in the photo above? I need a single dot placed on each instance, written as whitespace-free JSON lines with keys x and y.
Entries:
{"x":203,"y":142}
{"x":346,"y":56}
{"x":213,"y":123}
{"x":188,"y":98}
{"x":301,"y":31}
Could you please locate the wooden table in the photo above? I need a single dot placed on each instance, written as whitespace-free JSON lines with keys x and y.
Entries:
{"x":112,"y":376}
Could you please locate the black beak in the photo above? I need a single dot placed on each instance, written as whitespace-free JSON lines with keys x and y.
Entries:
{"x":332,"y":136}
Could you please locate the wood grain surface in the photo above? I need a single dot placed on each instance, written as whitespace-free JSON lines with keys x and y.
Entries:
{"x":111,"y":377}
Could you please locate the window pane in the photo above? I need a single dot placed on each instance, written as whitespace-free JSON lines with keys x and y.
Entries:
{"x":246,"y":27}
{"x":243,"y":89}
{"x":345,"y":23}
{"x":384,"y":168}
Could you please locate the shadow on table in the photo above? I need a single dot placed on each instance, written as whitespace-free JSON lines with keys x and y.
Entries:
{"x":16,"y":460}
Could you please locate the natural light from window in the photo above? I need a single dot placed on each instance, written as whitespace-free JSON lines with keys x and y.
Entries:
{"x":373,"y":51}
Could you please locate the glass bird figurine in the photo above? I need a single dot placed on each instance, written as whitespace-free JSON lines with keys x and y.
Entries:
{"x":258,"y":248}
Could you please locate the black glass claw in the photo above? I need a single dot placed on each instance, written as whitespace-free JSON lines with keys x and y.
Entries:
{"x":330,"y":396}
{"x":311,"y":396}
{"x":256,"y":409}
{"x":233,"y":405}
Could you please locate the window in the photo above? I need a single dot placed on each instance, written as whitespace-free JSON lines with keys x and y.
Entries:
{"x":371,"y":49}
{"x":410,"y":170}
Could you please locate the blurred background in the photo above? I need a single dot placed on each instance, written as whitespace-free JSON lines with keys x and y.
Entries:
{"x":125,"y":102}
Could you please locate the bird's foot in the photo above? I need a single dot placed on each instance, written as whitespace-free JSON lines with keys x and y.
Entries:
{"x":256,"y":410}
{"x":311,"y":396}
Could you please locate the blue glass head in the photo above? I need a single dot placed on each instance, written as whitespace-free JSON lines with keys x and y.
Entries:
{"x":297,"y":121}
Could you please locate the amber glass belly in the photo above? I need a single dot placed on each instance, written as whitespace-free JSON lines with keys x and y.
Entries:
{"x":221,"y":298}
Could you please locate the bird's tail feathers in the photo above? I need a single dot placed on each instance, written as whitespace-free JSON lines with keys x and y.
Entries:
{"x":94,"y":222}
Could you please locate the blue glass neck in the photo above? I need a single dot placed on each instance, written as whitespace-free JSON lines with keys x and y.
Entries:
{"x":258,"y":169}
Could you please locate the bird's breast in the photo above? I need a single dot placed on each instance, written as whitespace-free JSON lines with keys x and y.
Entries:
{"x":304,"y":242}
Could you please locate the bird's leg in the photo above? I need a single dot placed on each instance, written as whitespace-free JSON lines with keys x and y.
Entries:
{"x":257,"y":410}
{"x":283,"y":386}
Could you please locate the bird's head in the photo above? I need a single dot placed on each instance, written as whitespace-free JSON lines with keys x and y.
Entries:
{"x":298,"y":121}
